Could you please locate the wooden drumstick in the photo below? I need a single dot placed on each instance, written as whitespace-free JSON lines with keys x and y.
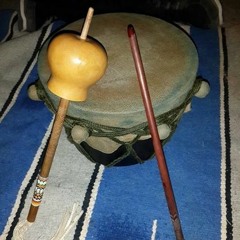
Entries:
{"x":72,"y":73}
{"x":162,"y":165}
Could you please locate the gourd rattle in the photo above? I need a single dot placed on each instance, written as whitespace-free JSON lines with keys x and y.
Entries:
{"x":76,"y":63}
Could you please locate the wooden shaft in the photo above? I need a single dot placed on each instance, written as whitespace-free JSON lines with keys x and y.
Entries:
{"x":164,"y":174}
{"x":56,"y":132}
{"x":48,"y":159}
{"x":87,"y":23}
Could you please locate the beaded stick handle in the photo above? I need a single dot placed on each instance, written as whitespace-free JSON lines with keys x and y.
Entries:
{"x":53,"y":142}
{"x":154,"y":133}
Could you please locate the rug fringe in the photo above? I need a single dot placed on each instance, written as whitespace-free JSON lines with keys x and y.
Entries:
{"x":69,"y":220}
{"x":20,"y":229}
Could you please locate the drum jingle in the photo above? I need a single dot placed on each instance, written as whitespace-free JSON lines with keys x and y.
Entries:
{"x":110,"y":127}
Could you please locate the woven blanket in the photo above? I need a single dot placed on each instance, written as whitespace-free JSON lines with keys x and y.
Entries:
{"x":125,"y":202}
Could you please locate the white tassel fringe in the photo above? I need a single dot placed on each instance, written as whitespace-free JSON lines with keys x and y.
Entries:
{"x":20,"y":229}
{"x":69,"y":220}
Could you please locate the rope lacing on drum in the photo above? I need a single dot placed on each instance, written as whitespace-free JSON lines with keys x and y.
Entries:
{"x":171,"y":118}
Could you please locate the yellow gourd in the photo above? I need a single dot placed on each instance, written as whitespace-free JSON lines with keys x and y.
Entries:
{"x":75,"y":64}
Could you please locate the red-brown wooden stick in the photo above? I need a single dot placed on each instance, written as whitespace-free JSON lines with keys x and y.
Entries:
{"x":155,"y":135}
{"x":48,"y":159}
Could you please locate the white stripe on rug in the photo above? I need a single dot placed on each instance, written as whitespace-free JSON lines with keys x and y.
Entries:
{"x":223,"y":142}
{"x":226,"y":145}
{"x":233,"y":49}
{"x":29,"y":69}
{"x":91,"y":204}
{"x":154,"y":229}
{"x":68,"y":182}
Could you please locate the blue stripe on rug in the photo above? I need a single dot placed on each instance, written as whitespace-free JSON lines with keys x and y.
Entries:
{"x":131,"y":198}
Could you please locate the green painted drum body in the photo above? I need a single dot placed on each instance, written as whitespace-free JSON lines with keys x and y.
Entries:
{"x":109,"y":125}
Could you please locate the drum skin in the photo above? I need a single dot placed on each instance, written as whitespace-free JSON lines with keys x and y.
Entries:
{"x":170,"y":60}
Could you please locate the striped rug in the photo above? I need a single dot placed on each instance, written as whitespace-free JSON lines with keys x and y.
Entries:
{"x":125,"y":203}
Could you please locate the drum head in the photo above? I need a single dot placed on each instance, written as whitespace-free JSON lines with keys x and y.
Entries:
{"x":169,"y":57}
